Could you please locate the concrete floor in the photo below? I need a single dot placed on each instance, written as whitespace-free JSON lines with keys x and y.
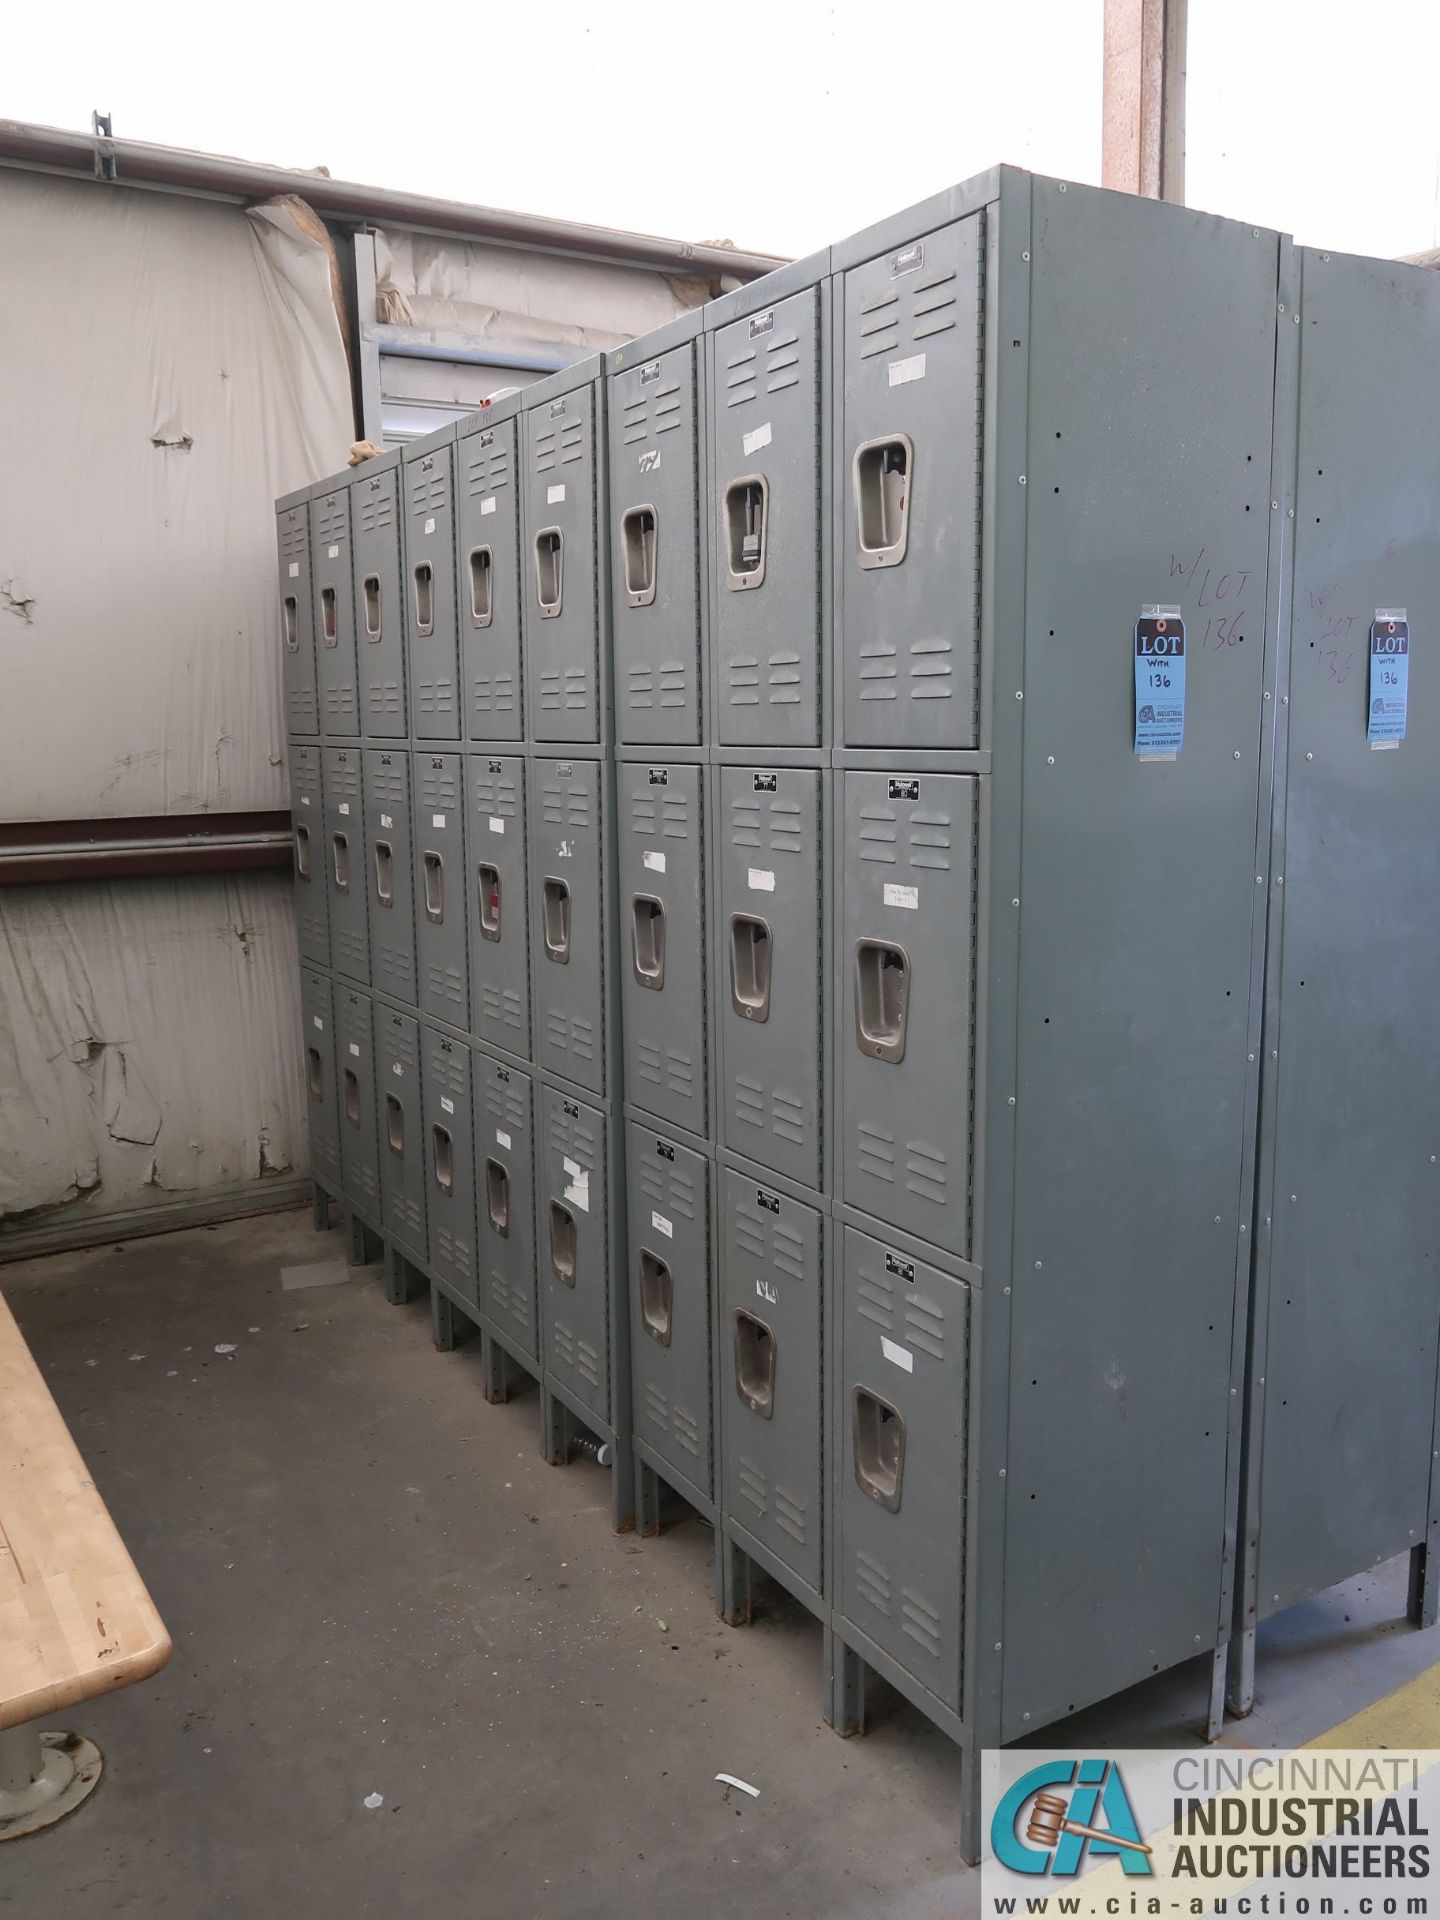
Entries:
{"x":375,"y":1586}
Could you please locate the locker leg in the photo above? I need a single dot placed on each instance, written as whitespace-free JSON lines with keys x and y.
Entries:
{"x":970,"y":1808}
{"x":623,"y":1496}
{"x":554,"y":1429}
{"x":1240,"y":1693}
{"x":733,"y":1595}
{"x":356,"y":1253}
{"x":647,"y":1501}
{"x":844,"y":1687}
{"x":399,"y":1277}
{"x":442,"y":1320}
{"x":321,"y":1202}
{"x":494,"y":1371}
{"x":1215,"y":1718}
{"x":1423,"y":1604}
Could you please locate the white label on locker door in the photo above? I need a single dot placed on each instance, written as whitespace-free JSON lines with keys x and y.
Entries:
{"x":397,"y":1070}
{"x":437,"y":819}
{"x":304,"y":799}
{"x":318,"y":1021}
{"x":896,"y":896}
{"x":654,"y":861}
{"x":487,"y":505}
{"x":294,"y":569}
{"x":386,"y":820}
{"x":497,"y":825}
{"x":662,"y":1225}
{"x":762,"y":880}
{"x":901,"y":1356}
{"x":354,"y":1049}
{"x":902,"y":372}
{"x":502,"y":1138}
{"x":430,"y":526}
{"x":446,"y":1106}
{"x":554,"y":495}
{"x":578,"y":1190}
{"x":332,"y":553}
{"x":345,"y":806}
{"x":757,"y":439}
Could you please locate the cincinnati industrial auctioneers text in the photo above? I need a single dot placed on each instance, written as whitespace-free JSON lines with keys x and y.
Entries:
{"x":1300,"y":1816}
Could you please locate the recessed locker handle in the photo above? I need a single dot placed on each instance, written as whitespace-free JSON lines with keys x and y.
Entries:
{"x":879,"y":1441}
{"x":394,"y":1125}
{"x":290,"y":615}
{"x":371,"y":587}
{"x":647,"y":925}
{"x":550,"y":571}
{"x":555,"y":912}
{"x":755,"y":1364}
{"x":424,"y":598}
{"x":433,"y":867}
{"x":487,"y":891}
{"x":562,"y":1244}
{"x":329,"y":617}
{"x":302,"y":852}
{"x":751,"y":965}
{"x":497,"y":1197}
{"x":317,"y":1073}
{"x":444,"y":1158}
{"x":746,"y":520}
{"x":482,"y":599}
{"x":385,"y":873}
{"x":657,"y":1296}
{"x":883,"y":475}
{"x":340,"y":858}
{"x":882,"y":999}
{"x":639,"y":541}
{"x":352,"y":1096}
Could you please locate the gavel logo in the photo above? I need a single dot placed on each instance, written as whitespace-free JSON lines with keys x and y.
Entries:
{"x":1048,"y":1822}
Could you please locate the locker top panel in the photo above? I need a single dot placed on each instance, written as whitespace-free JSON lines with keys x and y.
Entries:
{"x":556,"y":385}
{"x":674,"y":333}
{"x":503,"y":406}
{"x":287,"y":501}
{"x":418,"y":449}
{"x":378,"y":463}
{"x":795,"y":277}
{"x":939,"y":210}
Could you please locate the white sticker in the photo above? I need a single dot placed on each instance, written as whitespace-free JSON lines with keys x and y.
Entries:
{"x":437,"y":819}
{"x":497,"y":825}
{"x":294,"y":569}
{"x":386,"y":820}
{"x":761,"y":880}
{"x":430,"y":526}
{"x":318,"y":1021}
{"x":354,"y":1049}
{"x":488,"y":504}
{"x":572,"y":1167}
{"x":753,"y":442}
{"x":901,"y":1356}
{"x":578,"y":1191}
{"x":502,"y":1138}
{"x":662,"y":1225}
{"x":304,"y":799}
{"x":904,"y":371}
{"x":554,"y":495}
{"x":901,"y":896}
{"x":446,"y":1106}
{"x":345,"y":806}
{"x":332,"y":553}
{"x":654,"y":861}
{"x":397,"y":1069}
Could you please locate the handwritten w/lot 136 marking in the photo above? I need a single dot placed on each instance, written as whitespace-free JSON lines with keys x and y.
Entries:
{"x":1214,"y":588}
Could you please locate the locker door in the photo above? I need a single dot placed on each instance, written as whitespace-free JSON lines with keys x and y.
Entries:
{"x":769,"y":998}
{"x":662,"y":909}
{"x":488,"y":542}
{"x":573,"y":1251}
{"x":562,"y":633}
{"x":765,"y":525}
{"x":317,"y":1015}
{"x":655,"y":572}
{"x":771,"y":1314}
{"x":430,"y":591}
{"x":401,"y":1130}
{"x":345,"y":864}
{"x":505,"y":1202}
{"x":389,"y":843}
{"x":567,"y":918}
{"x":334,"y":611}
{"x":907,"y":469}
{"x":355,"y":1094}
{"x":499,"y":906}
{"x":449,"y":1159}
{"x":907,"y":1097}
{"x":670,"y":1303}
{"x":379,"y":629}
{"x":307,"y":804}
{"x":440,"y":886}
{"x":297,"y":618}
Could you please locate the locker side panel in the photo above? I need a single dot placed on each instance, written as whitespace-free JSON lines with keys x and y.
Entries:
{"x":317,"y":1016}
{"x":297,"y":619}
{"x":307,"y":804}
{"x":488,"y":543}
{"x":332,"y":564}
{"x":573,"y":1249}
{"x":389,"y":847}
{"x":449,"y":1140}
{"x":440,"y":886}
{"x":567,"y":918}
{"x":562,"y":619}
{"x":379,"y":603}
{"x":346,"y":872}
{"x":430,"y":593}
{"x":505,"y":1202}
{"x":400,"y":1124}
{"x":670,"y":1303}
{"x":499,"y":905}
{"x":663,"y":973}
{"x":355,"y":1087}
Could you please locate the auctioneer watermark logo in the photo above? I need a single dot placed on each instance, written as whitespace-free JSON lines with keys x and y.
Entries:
{"x":1044,"y":1822}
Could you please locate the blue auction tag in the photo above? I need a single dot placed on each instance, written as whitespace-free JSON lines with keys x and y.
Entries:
{"x":1389,"y":677}
{"x":1159,"y":683}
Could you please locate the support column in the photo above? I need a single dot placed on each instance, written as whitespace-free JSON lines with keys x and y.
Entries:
{"x":1143,"y":147}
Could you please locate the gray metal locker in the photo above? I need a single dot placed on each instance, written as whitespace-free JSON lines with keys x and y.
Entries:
{"x":765,"y":509}
{"x":375,"y":527}
{"x":907,"y":476}
{"x":567,"y":928}
{"x":297,"y":617}
{"x":560,"y":564}
{"x":573,"y":1251}
{"x":438,"y":803}
{"x":657,"y":575}
{"x":907,"y":966}
{"x":661,"y":878}
{"x":498,"y":902}
{"x":331,"y":567}
{"x":771,"y":1318}
{"x":771,"y":993}
{"x":505,"y":1201}
{"x":400,"y":1127}
{"x":355,"y":1096}
{"x":307,"y":805}
{"x":488,"y":593}
{"x":389,"y":846}
{"x":671,"y":1305}
{"x":900,"y":1474}
{"x":1343,"y":1415}
{"x":430,"y":623}
{"x":317,"y":1016}
{"x":449,"y":1141}
{"x":345,"y":865}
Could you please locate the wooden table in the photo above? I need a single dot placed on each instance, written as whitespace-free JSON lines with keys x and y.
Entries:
{"x":75,"y":1619}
